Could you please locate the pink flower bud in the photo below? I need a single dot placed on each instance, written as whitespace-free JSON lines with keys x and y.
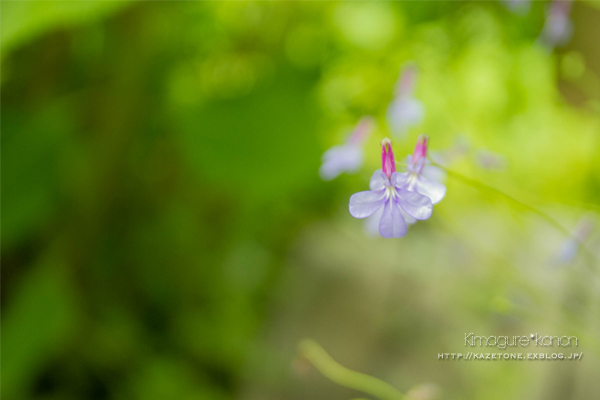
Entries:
{"x":362,"y":131}
{"x":407,"y":80}
{"x":388,"y":163}
{"x":420,"y":148}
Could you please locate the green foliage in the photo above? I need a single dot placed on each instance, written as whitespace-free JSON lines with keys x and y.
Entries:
{"x":166,"y":235}
{"x":23,"y":21}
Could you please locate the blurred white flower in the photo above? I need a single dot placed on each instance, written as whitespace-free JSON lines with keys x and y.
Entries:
{"x":417,"y":179}
{"x":489,"y":160}
{"x":405,"y":111}
{"x":569,"y":248}
{"x":518,"y":6}
{"x":349,"y":156}
{"x":558,"y":28}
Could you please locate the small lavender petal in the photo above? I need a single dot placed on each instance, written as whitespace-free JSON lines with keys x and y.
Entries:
{"x":392,"y":224}
{"x":400,"y":179}
{"x":410,"y":165}
{"x":372,"y":223}
{"x":418,"y":166}
{"x":558,"y":28}
{"x":415,"y":204}
{"x":403,"y":113}
{"x":378,"y":180}
{"x":414,"y":111}
{"x":364,"y":204}
{"x":489,"y":160}
{"x":568,"y":251}
{"x":518,"y":6}
{"x":570,"y":247}
{"x":435,"y":191}
{"x":407,"y":218}
{"x":338,"y":159}
{"x":434,"y":173}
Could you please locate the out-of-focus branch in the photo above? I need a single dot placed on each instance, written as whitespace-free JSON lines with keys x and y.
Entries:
{"x":483,"y":187}
{"x":346,"y":377}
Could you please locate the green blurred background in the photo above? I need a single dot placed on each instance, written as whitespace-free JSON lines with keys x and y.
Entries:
{"x":165,"y":234}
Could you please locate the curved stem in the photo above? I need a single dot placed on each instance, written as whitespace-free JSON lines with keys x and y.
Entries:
{"x":346,"y":377}
{"x":543,"y":215}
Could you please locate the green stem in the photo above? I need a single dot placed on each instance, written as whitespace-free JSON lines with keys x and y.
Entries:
{"x":345,"y":377}
{"x":543,"y":215}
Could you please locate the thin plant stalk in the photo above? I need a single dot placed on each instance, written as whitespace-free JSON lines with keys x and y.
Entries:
{"x":343,"y":376}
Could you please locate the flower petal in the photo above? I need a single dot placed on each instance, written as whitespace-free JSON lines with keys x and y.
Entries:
{"x":392,"y":224}
{"x":400,"y":179}
{"x":404,"y":112}
{"x":338,"y":159}
{"x":435,"y":191}
{"x":407,"y":218}
{"x":418,"y":166}
{"x":372,"y":223}
{"x":414,"y":111}
{"x":378,"y":180}
{"x":434,"y":173}
{"x":363,"y":204}
{"x":415,"y":204}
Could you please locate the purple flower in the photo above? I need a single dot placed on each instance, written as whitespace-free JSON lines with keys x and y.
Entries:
{"x":391,"y":197}
{"x":518,"y":6}
{"x":349,"y":156}
{"x":417,"y":179}
{"x":570,"y":247}
{"x":405,"y":111}
{"x":558,"y":27}
{"x":489,"y":160}
{"x":372,"y":223}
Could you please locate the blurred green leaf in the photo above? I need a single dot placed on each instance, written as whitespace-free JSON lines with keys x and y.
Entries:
{"x":30,"y":184}
{"x":40,"y":320}
{"x":22,"y":21}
